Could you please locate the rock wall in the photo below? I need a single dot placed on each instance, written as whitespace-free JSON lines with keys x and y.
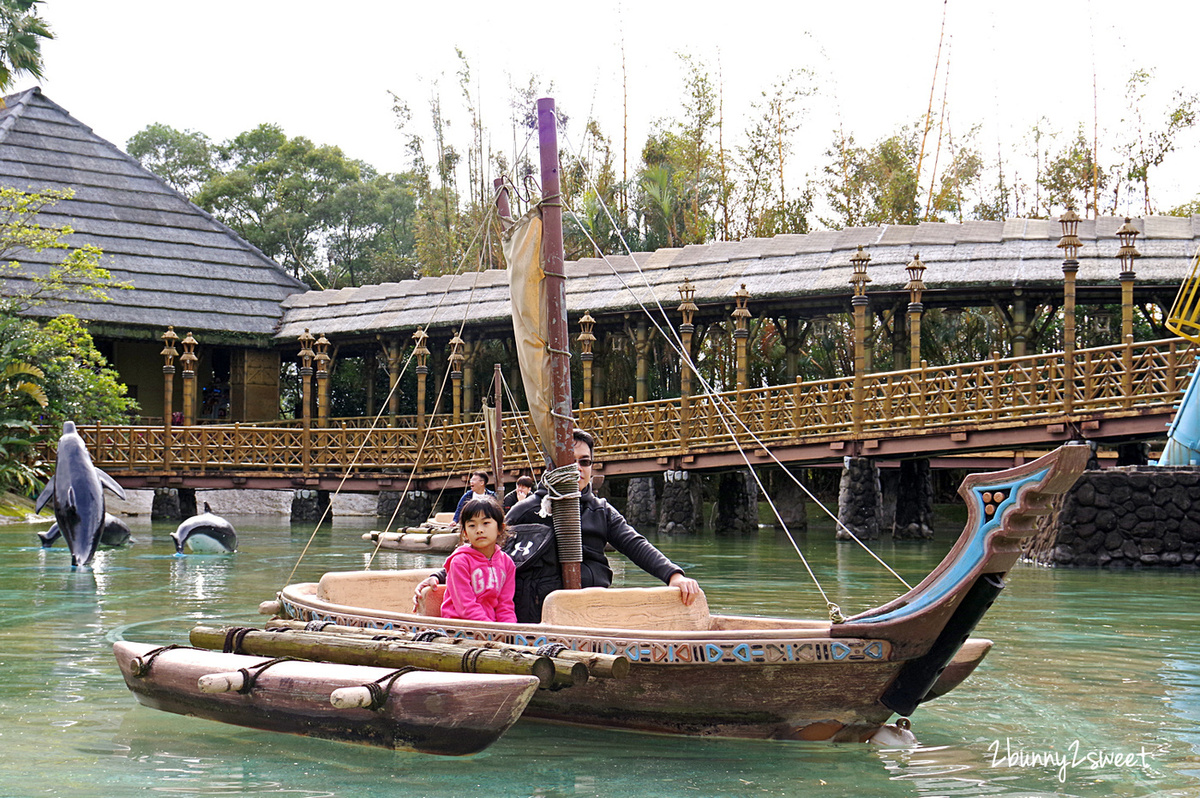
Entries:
{"x":1131,"y":517}
{"x":860,"y":500}
{"x":737,"y":504}
{"x":641,"y":504}
{"x":682,"y":504}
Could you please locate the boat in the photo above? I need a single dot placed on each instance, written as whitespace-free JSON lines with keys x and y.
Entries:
{"x":693,"y":671}
{"x":438,"y":535}
{"x":429,"y":712}
{"x":698,"y":673}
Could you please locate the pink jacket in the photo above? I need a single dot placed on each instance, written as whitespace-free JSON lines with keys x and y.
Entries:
{"x":479,"y":589}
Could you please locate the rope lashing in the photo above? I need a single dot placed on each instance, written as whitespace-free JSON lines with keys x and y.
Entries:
{"x":470,"y":659}
{"x":235,"y":636}
{"x":250,"y":675}
{"x":140,"y":666}
{"x":427,"y":636}
{"x":551,"y":649}
{"x":379,"y":690}
{"x":835,"y":614}
{"x":562,"y":503}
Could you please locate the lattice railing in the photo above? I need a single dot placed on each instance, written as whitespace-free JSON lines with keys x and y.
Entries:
{"x":1112,"y":380}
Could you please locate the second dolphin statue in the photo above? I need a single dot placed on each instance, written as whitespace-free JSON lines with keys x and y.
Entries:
{"x":205,"y":533}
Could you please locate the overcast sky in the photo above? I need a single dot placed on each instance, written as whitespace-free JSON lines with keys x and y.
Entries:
{"x":324,"y":70}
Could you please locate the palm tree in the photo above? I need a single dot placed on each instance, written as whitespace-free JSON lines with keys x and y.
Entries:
{"x":21,"y":32}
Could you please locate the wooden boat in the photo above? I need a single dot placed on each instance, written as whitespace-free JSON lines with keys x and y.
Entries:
{"x":693,"y":672}
{"x":438,"y":535}
{"x":424,"y":711}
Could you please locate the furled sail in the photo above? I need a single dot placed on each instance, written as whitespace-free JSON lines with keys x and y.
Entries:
{"x":527,"y":281}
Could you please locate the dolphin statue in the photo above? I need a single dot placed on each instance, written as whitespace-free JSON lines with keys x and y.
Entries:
{"x":114,"y":534}
{"x":77,"y":489}
{"x":205,"y":533}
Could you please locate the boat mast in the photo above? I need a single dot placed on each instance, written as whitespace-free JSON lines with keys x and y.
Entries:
{"x":556,"y":303}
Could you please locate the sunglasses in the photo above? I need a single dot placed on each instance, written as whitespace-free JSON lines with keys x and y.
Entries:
{"x":584,"y":462}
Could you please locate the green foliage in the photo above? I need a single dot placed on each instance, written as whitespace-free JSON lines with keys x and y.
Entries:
{"x":875,"y":185}
{"x":183,"y":158}
{"x":49,"y":374}
{"x":21,"y":34}
{"x":1073,"y":178}
{"x":1148,"y":146}
{"x":77,"y":277}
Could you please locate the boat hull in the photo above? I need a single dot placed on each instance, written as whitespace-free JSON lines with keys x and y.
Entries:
{"x":434,"y":713}
{"x":414,"y":540}
{"x":778,"y":684}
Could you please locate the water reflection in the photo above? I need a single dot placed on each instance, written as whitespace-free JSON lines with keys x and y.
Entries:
{"x":1074,"y":659}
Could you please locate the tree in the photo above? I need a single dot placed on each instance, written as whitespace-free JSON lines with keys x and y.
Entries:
{"x":1149,"y":147}
{"x":21,"y":34}
{"x":183,"y":158}
{"x":876,"y":185}
{"x":277,"y":193}
{"x":77,"y":277}
{"x":1068,"y":178}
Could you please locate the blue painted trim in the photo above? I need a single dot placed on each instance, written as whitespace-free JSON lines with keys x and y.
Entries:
{"x":970,"y":556}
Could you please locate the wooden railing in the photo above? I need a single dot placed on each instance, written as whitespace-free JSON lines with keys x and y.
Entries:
{"x":1108,"y":381}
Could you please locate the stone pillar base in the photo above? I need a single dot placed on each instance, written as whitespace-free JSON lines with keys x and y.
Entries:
{"x":860,"y":501}
{"x":414,"y":510}
{"x":737,"y":504}
{"x":309,"y":505}
{"x":641,"y":506}
{"x":914,"y":502}
{"x":791,"y":503}
{"x":682,"y":504}
{"x":173,"y":504}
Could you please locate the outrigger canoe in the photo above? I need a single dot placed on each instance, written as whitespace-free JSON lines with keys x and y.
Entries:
{"x":438,"y":535}
{"x":698,"y":673}
{"x":411,"y":710}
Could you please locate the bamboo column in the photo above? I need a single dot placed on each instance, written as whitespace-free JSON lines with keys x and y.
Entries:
{"x":1126,"y":254}
{"x":741,"y":339}
{"x":586,"y":341}
{"x":1069,"y":244}
{"x":1127,"y":233}
{"x":322,"y":359}
{"x":456,"y":360}
{"x":470,"y":353}
{"x":859,"y":279}
{"x":687,"y":307}
{"x":168,"y":352}
{"x":391,"y":350}
{"x":641,"y":347}
{"x":188,"y":361}
{"x":422,"y":353}
{"x":306,"y":374}
{"x":916,"y":271}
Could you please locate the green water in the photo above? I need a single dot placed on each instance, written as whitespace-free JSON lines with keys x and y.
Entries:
{"x":1105,"y":659}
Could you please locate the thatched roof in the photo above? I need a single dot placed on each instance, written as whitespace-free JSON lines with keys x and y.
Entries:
{"x":187,"y":268}
{"x":964,"y":263}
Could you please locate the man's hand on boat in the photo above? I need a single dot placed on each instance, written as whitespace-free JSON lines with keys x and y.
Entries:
{"x":425,"y":584}
{"x":688,"y":588}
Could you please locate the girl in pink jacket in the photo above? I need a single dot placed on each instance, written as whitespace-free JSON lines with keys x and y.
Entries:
{"x":480,"y":578}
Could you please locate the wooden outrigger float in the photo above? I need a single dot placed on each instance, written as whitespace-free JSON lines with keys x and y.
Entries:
{"x":410,"y":710}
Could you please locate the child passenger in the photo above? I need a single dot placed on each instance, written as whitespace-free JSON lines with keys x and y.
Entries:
{"x":480,"y":578}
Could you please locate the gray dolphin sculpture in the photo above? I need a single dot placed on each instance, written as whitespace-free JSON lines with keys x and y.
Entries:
{"x":205,"y":533}
{"x":114,"y":534}
{"x":77,"y":489}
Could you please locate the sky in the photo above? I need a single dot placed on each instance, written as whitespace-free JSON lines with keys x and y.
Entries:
{"x":327,"y":70}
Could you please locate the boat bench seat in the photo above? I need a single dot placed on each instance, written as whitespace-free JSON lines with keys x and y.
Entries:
{"x":390,"y":591}
{"x":658,"y":608}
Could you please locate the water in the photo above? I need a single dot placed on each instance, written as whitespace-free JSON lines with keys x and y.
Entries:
{"x":1105,"y":659}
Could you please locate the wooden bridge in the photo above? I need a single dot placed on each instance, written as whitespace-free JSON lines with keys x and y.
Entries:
{"x":1109,"y":394}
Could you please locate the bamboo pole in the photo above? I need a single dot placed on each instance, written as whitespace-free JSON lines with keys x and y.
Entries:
{"x":600,"y":666}
{"x":459,"y":657}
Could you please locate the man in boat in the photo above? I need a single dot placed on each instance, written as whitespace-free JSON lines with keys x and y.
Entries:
{"x":525,"y":486}
{"x":477,"y":486}
{"x":601,"y":525}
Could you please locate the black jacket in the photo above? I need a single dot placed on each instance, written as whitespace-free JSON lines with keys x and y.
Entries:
{"x":601,"y":525}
